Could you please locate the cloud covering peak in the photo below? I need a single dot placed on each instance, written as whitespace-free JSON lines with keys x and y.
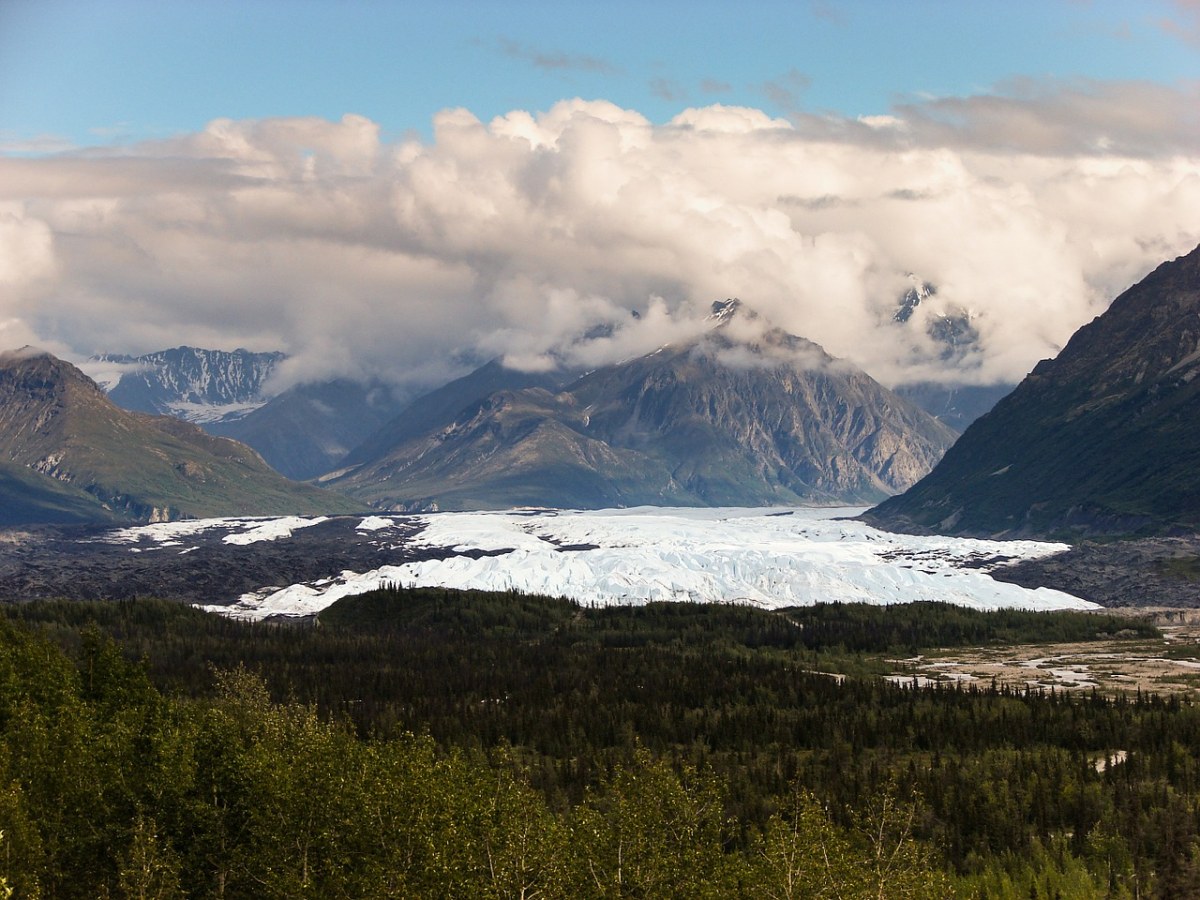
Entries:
{"x":537,"y":235}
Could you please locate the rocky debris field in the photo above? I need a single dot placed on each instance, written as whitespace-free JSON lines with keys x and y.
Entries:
{"x":1141,"y":573}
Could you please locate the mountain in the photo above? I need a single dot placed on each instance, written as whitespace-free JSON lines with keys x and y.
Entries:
{"x":189,"y":383}
{"x":744,"y":415}
{"x":439,"y":407}
{"x":1102,"y":440}
{"x":63,"y":441}
{"x":309,"y":428}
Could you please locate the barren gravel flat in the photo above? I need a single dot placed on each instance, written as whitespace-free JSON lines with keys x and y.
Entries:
{"x":1170,"y":665}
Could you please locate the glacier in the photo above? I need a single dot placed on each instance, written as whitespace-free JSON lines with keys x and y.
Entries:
{"x":771,"y":558}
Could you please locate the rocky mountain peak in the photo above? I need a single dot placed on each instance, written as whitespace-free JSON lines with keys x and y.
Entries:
{"x":911,"y":299}
{"x":736,"y":314}
{"x":31,"y":375}
{"x":723,"y":311}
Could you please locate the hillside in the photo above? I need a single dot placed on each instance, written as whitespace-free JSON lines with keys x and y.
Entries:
{"x":308,"y":428}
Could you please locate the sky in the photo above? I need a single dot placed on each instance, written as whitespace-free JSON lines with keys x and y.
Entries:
{"x":403,"y":189}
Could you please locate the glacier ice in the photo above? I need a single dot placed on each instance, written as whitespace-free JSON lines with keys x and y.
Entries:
{"x":770,"y":558}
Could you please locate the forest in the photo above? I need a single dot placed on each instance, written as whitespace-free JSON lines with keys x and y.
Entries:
{"x":431,"y":743}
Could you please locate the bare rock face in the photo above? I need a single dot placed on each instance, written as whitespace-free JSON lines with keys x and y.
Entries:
{"x":1103,"y":440}
{"x":745,"y":415}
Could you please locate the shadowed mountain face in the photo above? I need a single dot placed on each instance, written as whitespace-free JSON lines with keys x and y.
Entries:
{"x":65,"y":445}
{"x":746,"y":415}
{"x":1102,"y":440}
{"x":957,"y":405}
{"x":309,"y":428}
{"x":28,"y":497}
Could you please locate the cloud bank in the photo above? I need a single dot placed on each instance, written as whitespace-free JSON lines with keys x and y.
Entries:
{"x":537,"y":236}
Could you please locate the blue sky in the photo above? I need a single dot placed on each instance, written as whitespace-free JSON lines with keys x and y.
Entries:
{"x":82,"y":72}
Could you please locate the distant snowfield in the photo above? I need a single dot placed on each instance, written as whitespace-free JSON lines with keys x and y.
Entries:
{"x":766,"y":557}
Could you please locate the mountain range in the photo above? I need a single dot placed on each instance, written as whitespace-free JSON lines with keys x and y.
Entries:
{"x":744,"y":415}
{"x":71,"y":455}
{"x":311,"y":428}
{"x":190,"y":383}
{"x":1102,"y":440}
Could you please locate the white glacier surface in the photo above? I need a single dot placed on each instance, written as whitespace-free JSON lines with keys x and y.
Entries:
{"x":767,"y":557}
{"x":273,"y":529}
{"x":241,"y":530}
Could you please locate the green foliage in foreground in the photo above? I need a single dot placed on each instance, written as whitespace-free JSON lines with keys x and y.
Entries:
{"x":670,"y":750}
{"x":112,"y":790}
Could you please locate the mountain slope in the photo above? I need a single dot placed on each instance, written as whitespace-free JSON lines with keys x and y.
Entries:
{"x":1104,"y":439}
{"x":956,"y":405}
{"x":56,"y":422}
{"x":27,"y":497}
{"x":718,"y":421}
{"x":439,"y":407}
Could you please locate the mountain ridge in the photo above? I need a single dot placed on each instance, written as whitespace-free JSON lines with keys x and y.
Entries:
{"x":192,"y":383}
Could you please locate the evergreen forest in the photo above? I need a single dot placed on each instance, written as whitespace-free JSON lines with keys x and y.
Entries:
{"x":433,"y":743}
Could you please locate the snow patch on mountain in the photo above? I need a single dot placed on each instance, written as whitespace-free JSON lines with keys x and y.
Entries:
{"x":204,"y":413}
{"x":771,"y":558}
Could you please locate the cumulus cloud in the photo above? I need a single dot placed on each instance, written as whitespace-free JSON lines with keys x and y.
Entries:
{"x":539,"y":236}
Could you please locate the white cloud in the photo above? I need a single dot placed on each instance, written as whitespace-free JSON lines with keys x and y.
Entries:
{"x":521,"y":235}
